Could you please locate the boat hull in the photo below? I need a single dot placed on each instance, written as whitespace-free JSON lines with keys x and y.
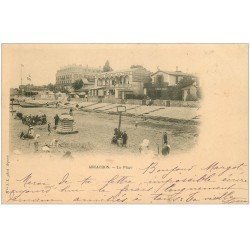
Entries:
{"x":31,"y":105}
{"x":65,"y":133}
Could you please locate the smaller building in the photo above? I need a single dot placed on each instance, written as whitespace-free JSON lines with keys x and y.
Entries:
{"x":172,"y":85}
{"x":170,"y":78}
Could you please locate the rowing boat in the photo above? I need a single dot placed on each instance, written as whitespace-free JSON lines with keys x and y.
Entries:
{"x":31,"y":104}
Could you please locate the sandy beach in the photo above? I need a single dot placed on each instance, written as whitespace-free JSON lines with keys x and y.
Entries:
{"x":95,"y":131}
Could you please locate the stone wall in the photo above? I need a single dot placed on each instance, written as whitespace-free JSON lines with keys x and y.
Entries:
{"x":166,"y":103}
{"x":170,"y":103}
{"x":134,"y":101}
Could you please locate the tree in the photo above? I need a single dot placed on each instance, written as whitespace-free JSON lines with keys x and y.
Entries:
{"x":191,"y":97}
{"x":78,"y":84}
{"x":106,"y":67}
{"x":159,"y":79}
{"x":51,"y":87}
{"x":185,"y":81}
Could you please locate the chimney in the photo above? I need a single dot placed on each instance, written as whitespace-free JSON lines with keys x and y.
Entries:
{"x":177,"y":68}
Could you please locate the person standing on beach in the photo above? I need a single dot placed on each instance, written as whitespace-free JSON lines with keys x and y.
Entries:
{"x":30,"y":132}
{"x":49,"y":128}
{"x":165,"y":150}
{"x":124,"y":138}
{"x":165,"y":138}
{"x":36,"y":142}
{"x":56,"y":118}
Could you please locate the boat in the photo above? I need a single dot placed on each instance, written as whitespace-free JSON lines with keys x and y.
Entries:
{"x":31,"y":104}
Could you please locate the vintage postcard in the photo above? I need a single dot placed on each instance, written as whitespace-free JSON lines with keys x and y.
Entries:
{"x":125,"y":124}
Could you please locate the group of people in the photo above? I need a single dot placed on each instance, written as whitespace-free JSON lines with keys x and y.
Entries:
{"x":30,"y":134}
{"x":120,"y":137}
{"x":145,"y":149}
{"x":32,"y":120}
{"x":56,"y":119}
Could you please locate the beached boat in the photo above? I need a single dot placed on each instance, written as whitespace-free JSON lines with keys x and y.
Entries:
{"x":31,"y":104}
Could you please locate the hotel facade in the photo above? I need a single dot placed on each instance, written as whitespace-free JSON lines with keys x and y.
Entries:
{"x":65,"y":76}
{"x":120,"y":83}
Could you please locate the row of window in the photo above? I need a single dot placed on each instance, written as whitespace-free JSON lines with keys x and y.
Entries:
{"x":64,"y":82}
{"x":81,"y":70}
{"x":113,"y":83}
{"x":69,"y":76}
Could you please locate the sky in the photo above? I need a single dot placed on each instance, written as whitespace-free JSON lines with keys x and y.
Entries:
{"x":41,"y":61}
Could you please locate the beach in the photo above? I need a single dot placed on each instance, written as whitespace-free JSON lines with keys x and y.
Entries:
{"x":95,"y":131}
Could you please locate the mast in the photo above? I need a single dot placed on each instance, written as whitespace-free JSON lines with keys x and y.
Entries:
{"x":21,"y":71}
{"x":22,"y":74}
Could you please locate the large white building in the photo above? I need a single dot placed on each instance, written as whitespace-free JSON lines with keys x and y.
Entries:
{"x":65,"y":76}
{"x":119,"y":83}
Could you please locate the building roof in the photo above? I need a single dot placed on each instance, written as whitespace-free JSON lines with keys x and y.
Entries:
{"x":84,"y":88}
{"x":175,"y":73}
{"x":79,"y":66}
{"x":121,"y":71}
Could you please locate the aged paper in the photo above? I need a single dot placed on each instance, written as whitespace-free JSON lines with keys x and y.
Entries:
{"x":180,"y":112}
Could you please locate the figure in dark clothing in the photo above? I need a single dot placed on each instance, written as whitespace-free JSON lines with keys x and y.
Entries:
{"x":114,"y":140}
{"x":44,"y":119}
{"x":36,"y":144}
{"x":165,"y":150}
{"x":115,"y":136}
{"x":165,"y":138}
{"x":56,"y":118}
{"x":117,"y":133}
{"x":49,"y":128}
{"x":124,"y":138}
